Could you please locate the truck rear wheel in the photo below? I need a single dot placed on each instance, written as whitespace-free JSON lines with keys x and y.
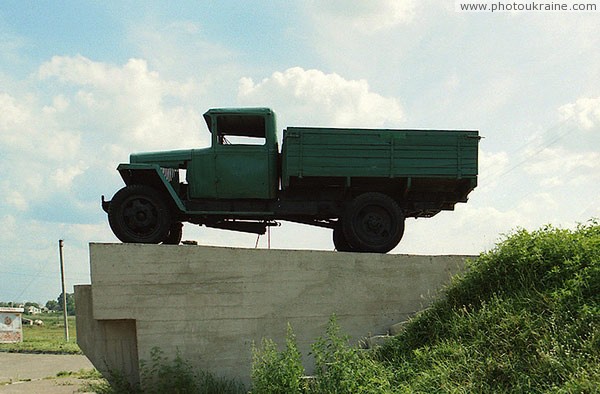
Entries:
{"x":139,"y":214}
{"x":339,"y":239}
{"x":373,"y":223}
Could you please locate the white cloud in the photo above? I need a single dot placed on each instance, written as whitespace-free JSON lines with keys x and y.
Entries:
{"x":31,"y":256}
{"x":557,"y":166}
{"x":129,"y":101}
{"x":585,"y":111}
{"x":25,"y":128}
{"x":557,"y":159}
{"x":63,"y":177}
{"x":15,"y":199}
{"x":365,"y":16}
{"x":181,"y":50}
{"x":64,"y":137}
{"x":315,"y":98}
{"x":12,"y":114}
{"x":59,"y":104}
{"x":17,"y":124}
{"x":492,"y":164}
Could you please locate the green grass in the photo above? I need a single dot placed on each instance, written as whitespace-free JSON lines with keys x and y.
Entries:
{"x":49,"y":338}
{"x":161,"y":375}
{"x":524,"y":318}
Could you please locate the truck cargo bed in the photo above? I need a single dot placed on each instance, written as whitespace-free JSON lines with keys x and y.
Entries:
{"x":430,"y":170}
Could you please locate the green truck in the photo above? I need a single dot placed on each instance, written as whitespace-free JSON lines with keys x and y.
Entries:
{"x":361,"y":183}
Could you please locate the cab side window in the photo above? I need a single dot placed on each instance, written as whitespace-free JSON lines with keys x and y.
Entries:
{"x":241,"y":130}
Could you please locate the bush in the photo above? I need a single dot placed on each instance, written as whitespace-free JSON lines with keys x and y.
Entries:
{"x":278,"y":372}
{"x":340,"y":368}
{"x":162,"y":375}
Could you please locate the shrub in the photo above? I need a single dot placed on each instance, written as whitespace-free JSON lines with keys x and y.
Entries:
{"x":342,"y":368}
{"x":162,"y":375}
{"x":278,"y":372}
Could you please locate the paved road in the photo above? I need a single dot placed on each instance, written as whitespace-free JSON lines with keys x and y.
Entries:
{"x":29,"y":373}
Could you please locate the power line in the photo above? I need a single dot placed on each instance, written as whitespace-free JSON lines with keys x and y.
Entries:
{"x":540,"y":149}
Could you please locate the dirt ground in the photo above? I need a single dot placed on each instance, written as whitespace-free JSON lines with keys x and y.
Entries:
{"x":37,"y":373}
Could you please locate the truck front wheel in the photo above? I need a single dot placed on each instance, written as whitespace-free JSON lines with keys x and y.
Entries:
{"x":139,"y":214}
{"x":373,"y":223}
{"x":175,"y":234}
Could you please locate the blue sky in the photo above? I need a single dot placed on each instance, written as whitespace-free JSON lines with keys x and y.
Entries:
{"x":83,"y":84}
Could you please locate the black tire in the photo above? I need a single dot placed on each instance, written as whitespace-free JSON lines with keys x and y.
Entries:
{"x":139,"y":214}
{"x":373,"y":222}
{"x":339,"y":239}
{"x":175,"y":234}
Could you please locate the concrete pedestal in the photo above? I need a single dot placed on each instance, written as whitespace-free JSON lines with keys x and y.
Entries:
{"x":211,"y":304}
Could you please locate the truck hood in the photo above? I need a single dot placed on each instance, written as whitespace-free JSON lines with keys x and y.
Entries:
{"x":169,"y":159}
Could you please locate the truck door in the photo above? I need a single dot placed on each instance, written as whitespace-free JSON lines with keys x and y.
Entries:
{"x":243,"y":159}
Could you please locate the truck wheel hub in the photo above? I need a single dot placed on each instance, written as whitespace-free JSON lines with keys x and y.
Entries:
{"x":140,"y":214}
{"x":374,"y":223}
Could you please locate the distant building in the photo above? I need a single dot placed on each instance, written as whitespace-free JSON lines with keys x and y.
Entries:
{"x":32,"y":310}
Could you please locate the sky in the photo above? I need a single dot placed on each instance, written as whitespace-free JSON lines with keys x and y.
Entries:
{"x":85,"y":83}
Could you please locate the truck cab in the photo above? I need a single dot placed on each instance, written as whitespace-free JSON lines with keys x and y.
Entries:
{"x":242,"y":160}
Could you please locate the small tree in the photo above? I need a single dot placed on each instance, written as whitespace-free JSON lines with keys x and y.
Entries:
{"x":52,"y":305}
{"x":70,"y":303}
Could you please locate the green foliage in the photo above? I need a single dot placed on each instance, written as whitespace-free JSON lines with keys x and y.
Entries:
{"x":52,"y":305}
{"x":342,"y":368}
{"x":70,"y":303}
{"x":524,"y":318}
{"x":277,"y":372}
{"x":162,"y":375}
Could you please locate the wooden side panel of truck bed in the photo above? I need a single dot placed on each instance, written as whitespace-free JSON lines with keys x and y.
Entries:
{"x":326,"y":152}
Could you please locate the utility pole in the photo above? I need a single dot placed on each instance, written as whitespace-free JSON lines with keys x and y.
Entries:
{"x":64,"y":293}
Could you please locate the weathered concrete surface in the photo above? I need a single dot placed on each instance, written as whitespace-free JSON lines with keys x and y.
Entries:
{"x":211,"y":304}
{"x":37,"y":373}
{"x":111,"y":345}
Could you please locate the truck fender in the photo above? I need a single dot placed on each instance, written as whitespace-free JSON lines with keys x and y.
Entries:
{"x":151,"y":175}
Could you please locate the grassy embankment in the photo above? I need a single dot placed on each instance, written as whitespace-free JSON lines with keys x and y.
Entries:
{"x":48,"y":338}
{"x":524,"y":318}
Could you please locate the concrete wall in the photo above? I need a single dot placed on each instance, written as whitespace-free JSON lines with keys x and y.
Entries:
{"x":211,"y":304}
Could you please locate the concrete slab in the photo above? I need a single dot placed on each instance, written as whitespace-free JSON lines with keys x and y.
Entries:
{"x":211,"y":304}
{"x":37,"y":373}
